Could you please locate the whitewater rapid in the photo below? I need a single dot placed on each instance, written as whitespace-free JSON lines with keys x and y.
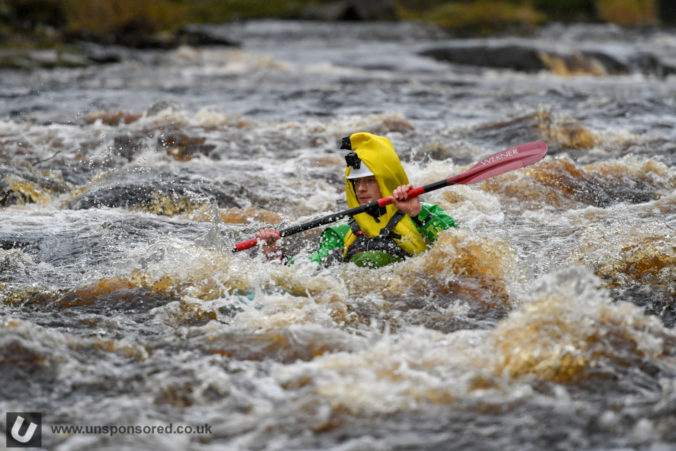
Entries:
{"x":544,"y":321}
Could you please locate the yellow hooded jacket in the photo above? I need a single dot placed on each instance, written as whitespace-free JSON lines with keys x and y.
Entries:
{"x":380,"y":157}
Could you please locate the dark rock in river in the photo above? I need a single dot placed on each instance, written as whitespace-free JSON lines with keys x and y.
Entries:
{"x":88,"y":49}
{"x":99,"y":54}
{"x":506,"y":56}
{"x":139,"y":36}
{"x":41,"y":59}
{"x":20,"y":186}
{"x":199,"y":36}
{"x":182,"y":147}
{"x":526,"y":58}
{"x":157,"y":193}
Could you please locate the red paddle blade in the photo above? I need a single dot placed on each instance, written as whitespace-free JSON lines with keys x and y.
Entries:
{"x":504,"y":161}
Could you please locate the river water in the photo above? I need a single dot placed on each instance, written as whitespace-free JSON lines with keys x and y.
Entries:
{"x":546,"y":321}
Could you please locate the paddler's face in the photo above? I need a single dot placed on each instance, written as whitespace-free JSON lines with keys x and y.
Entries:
{"x":366,"y":189}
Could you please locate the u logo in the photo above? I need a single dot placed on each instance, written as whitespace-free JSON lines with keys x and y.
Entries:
{"x":26,"y":436}
{"x":19,"y":435}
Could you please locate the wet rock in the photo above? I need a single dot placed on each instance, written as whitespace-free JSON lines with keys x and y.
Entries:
{"x":159,"y":194}
{"x":197,"y":36}
{"x":87,"y":50}
{"x":529,"y":59}
{"x":12,"y":243}
{"x":526,"y":58}
{"x":19,"y":186}
{"x":41,"y":59}
{"x":140,"y":35}
{"x":81,"y":53}
{"x":590,"y":187}
{"x":610,"y":63}
{"x":107,"y":297}
{"x":510,"y":56}
{"x":182,"y":147}
{"x":562,"y":133}
{"x":100,"y":54}
{"x":643,"y":273}
{"x":512,"y":130}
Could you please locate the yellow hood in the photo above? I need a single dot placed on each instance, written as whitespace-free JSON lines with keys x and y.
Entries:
{"x":379,"y":155}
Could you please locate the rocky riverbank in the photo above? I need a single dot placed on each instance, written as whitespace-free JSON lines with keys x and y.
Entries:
{"x":37,"y":34}
{"x":84,"y":50}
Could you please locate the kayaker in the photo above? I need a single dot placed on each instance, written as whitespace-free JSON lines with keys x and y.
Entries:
{"x":374,"y":238}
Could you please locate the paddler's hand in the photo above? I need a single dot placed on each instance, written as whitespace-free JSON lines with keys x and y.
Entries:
{"x":400,"y":200}
{"x":269,"y":238}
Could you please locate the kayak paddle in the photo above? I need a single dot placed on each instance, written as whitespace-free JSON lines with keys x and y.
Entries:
{"x":499,"y":163}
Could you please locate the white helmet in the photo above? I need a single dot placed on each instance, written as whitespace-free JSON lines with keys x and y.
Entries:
{"x":363,"y":171}
{"x":358,"y":168}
